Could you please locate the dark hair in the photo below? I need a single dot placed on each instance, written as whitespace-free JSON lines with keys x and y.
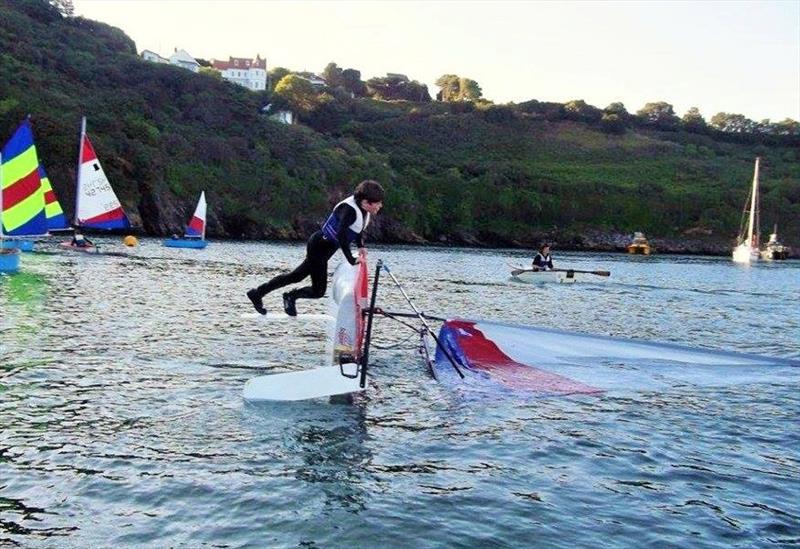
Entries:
{"x":368,"y":190}
{"x":543,"y":246}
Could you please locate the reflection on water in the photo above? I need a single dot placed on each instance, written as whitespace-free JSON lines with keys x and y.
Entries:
{"x":123,"y":424}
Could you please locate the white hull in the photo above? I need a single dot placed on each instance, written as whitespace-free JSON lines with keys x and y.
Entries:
{"x":745,"y":254}
{"x":550,"y":277}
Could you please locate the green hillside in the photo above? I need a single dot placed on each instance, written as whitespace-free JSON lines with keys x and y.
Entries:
{"x":458,"y":173}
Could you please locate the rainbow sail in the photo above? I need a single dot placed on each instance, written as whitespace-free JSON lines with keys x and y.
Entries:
{"x":56,"y":220}
{"x":197,"y":225}
{"x":23,"y":206}
{"x":97,"y":206}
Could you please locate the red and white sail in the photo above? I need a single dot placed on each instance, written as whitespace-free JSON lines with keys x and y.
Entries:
{"x":96,"y":205}
{"x":197,"y":225}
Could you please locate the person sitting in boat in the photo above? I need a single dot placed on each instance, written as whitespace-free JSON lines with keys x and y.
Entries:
{"x":543,"y":261}
{"x":343,"y":226}
{"x":81,"y":241}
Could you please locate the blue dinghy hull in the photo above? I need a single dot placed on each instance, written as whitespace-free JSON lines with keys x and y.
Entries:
{"x":194,"y":243}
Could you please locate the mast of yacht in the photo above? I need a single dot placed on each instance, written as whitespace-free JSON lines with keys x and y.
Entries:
{"x":752,"y":229}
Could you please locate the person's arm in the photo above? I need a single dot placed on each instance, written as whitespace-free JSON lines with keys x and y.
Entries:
{"x":550,"y":261}
{"x":346,"y":216}
{"x":537,"y":262}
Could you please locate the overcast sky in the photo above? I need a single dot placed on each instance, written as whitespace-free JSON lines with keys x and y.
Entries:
{"x":738,"y":57}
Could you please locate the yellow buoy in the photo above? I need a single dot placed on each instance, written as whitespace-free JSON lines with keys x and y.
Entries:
{"x":130,"y":240}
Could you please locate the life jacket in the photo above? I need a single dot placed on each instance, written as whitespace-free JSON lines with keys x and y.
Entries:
{"x":543,"y":260}
{"x":331,"y":226}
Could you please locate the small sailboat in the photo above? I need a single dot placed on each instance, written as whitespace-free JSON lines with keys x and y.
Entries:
{"x":96,"y":205}
{"x":56,"y":220}
{"x":22,"y":208}
{"x":195,"y":236}
{"x":774,"y":249}
{"x":747,"y":243}
{"x":639,"y":245}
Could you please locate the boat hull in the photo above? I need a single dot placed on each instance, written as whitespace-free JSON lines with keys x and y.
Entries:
{"x":745,"y":254}
{"x":639,"y":249}
{"x":550,"y":277}
{"x":21,"y":245}
{"x":81,"y":249}
{"x":194,"y":243}
{"x":9,"y":260}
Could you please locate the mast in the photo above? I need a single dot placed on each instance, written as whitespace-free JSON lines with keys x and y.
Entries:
{"x":1,"y":195}
{"x":78,"y":173}
{"x":754,"y":218}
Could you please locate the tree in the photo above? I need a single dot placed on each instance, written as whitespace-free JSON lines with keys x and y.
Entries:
{"x":693,"y":121}
{"x":213,"y":73}
{"x":468,"y":90}
{"x":352,"y":82}
{"x":612,"y":123}
{"x":276,"y":75}
{"x":449,"y":84}
{"x":581,"y":111}
{"x":395,"y":87}
{"x":332,"y":75}
{"x":456,"y":88}
{"x":660,"y":115}
{"x":787,"y":127}
{"x":297,"y":91}
{"x":732,"y":123}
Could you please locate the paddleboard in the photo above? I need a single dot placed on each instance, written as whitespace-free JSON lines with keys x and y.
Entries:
{"x":303,"y":385}
{"x":558,"y":277}
{"x":84,"y":249}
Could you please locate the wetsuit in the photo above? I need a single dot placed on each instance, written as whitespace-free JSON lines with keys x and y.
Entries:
{"x":345,"y":225}
{"x":543,"y":261}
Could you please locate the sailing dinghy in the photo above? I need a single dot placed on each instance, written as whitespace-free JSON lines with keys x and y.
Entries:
{"x":96,"y":205}
{"x":496,"y":359}
{"x":195,"y":235}
{"x":22,"y":206}
{"x":343,"y":374}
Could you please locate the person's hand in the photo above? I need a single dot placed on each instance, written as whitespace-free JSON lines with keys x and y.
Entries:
{"x":362,"y":255}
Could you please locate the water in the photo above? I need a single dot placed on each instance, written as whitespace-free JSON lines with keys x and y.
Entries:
{"x":123,"y":424}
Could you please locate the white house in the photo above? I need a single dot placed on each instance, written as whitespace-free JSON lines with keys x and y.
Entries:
{"x":250,"y":73}
{"x":179,"y":58}
{"x":182,"y":59}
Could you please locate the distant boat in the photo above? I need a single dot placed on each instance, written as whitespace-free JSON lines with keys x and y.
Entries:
{"x":774,"y":249}
{"x":639,"y":245}
{"x":22,"y":207}
{"x":96,"y":205}
{"x":747,"y":243}
{"x":195,"y":235}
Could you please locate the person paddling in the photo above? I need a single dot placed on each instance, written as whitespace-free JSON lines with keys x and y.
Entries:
{"x":345,"y":225}
{"x":543,"y":261}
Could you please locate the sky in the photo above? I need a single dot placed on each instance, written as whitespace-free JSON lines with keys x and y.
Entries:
{"x":738,"y":57}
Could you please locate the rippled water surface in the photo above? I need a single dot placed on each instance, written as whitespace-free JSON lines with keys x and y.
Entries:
{"x":123,"y":423}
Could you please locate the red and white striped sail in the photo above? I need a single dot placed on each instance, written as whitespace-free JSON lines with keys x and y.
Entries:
{"x":96,"y":204}
{"x":197,"y":225}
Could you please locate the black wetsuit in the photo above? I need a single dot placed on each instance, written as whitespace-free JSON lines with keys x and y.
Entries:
{"x":318,"y":251}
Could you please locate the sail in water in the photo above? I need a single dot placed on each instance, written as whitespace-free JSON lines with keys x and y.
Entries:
{"x":97,"y":207}
{"x":506,"y":358}
{"x":195,"y":235}
{"x":747,"y":245}
{"x":56,"y":220}
{"x":22,"y":204}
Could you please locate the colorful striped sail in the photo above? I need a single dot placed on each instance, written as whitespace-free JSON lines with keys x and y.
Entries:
{"x":97,"y":206}
{"x":197,"y":225}
{"x":23,"y":207}
{"x":56,"y":220}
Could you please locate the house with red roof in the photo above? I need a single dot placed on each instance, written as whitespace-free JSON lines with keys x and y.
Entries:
{"x":250,"y":73}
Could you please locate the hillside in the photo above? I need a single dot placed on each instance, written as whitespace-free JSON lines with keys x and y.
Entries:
{"x":456,"y":174}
